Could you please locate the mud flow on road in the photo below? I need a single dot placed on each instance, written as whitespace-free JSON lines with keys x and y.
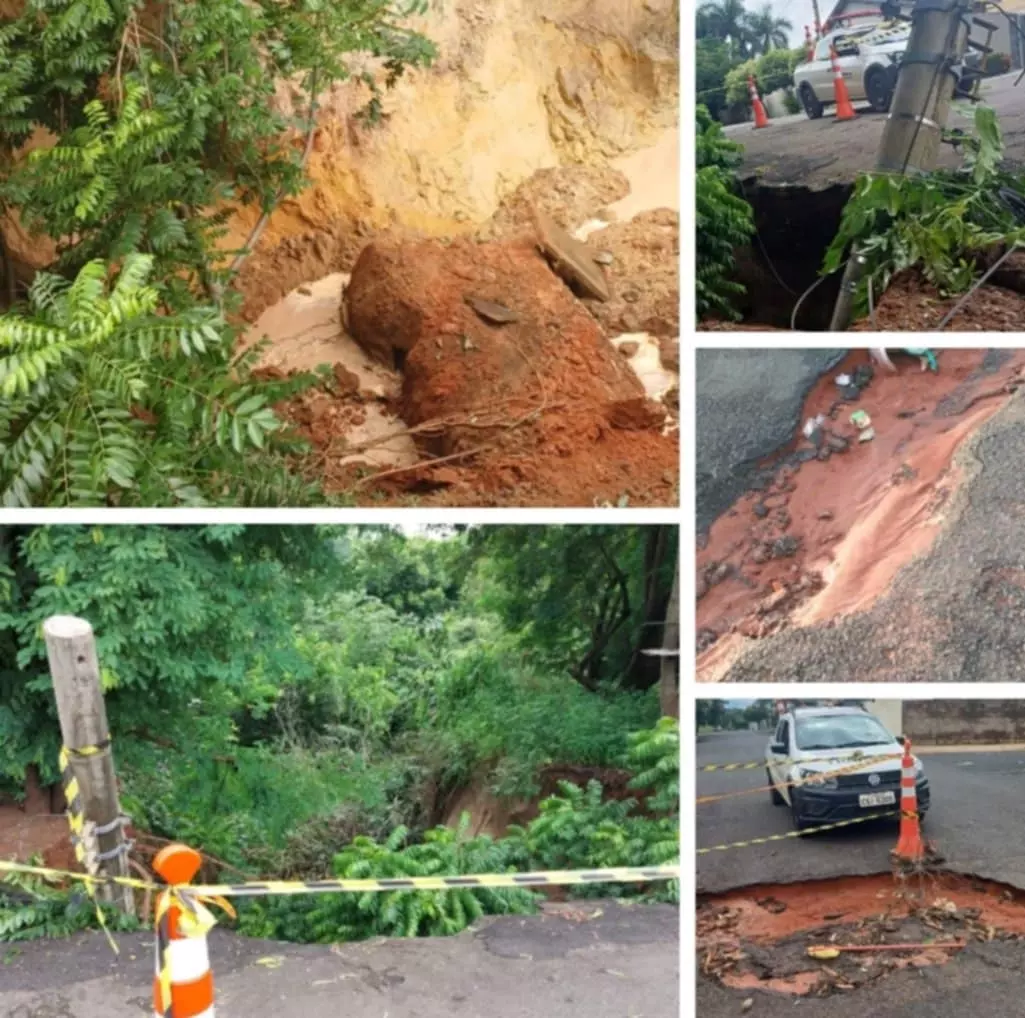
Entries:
{"x":863,"y":488}
{"x":764,"y":938}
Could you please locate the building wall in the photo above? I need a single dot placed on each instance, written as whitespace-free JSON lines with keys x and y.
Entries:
{"x":948,"y":722}
{"x":889,"y":712}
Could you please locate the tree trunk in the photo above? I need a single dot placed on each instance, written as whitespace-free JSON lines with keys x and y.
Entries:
{"x":643,"y":671}
{"x":669,"y":679}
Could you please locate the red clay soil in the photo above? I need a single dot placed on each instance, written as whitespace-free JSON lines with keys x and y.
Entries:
{"x":538,"y":411}
{"x":912,"y":305}
{"x":757,"y":937}
{"x":23,"y":836}
{"x":826,"y":538}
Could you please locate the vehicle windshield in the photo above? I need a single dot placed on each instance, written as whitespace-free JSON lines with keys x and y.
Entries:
{"x":840,"y":731}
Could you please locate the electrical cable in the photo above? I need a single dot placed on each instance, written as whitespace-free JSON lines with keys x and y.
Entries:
{"x":801,"y":299}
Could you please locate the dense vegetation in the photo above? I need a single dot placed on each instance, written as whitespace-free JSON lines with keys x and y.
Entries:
{"x":300,"y":701}
{"x":117,"y":378}
{"x":723,"y":219}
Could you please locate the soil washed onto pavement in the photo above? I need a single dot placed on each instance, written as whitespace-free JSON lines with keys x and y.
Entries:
{"x":829,"y":522}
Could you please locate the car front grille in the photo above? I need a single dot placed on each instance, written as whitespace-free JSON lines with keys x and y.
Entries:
{"x":887,"y":780}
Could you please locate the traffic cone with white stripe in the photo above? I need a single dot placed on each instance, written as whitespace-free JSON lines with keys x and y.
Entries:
{"x":844,"y":109}
{"x":910,"y":847}
{"x":761,"y":120}
{"x":183,"y":986}
{"x":809,"y":43}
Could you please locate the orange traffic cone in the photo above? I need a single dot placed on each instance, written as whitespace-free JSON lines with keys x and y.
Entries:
{"x":183,"y":986}
{"x":910,"y":847}
{"x":844,"y":109}
{"x":808,"y":41}
{"x":761,"y":120}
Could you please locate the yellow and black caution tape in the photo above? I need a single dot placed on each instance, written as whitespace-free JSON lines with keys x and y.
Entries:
{"x":814,"y":779}
{"x":80,"y":835}
{"x":263,"y":888}
{"x":748,"y":765}
{"x":794,"y":834}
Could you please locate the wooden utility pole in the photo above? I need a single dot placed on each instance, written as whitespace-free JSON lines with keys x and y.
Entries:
{"x":71,"y":650}
{"x":918,"y":113}
{"x":818,"y":18}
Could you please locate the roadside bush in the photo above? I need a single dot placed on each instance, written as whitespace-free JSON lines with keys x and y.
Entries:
{"x":937,"y":223}
{"x":333,"y":917}
{"x":723,"y":220}
{"x":32,"y":908}
{"x":654,"y":756}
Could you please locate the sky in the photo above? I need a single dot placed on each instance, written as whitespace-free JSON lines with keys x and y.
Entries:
{"x":798,"y":12}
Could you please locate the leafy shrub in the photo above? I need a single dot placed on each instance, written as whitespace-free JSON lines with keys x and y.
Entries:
{"x":494,"y":711}
{"x":723,"y":220}
{"x":32,"y":908}
{"x":654,"y":756}
{"x":103,"y":400}
{"x":347,"y":916}
{"x":936,"y":222}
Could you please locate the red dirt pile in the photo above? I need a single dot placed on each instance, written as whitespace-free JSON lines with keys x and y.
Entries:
{"x":536,"y":410}
{"x":830,"y":528}
{"x":910,"y":304}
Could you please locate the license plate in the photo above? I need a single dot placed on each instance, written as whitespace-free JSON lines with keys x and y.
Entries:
{"x":877,"y":799}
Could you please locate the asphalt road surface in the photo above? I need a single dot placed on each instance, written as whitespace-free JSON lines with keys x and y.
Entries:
{"x":817,"y":153}
{"x":985,"y":980}
{"x":748,"y":406}
{"x":974,"y":821}
{"x":956,"y":613}
{"x":622,"y":964}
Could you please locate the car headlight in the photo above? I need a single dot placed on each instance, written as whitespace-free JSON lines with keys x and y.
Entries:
{"x":816,"y":780}
{"x":919,"y":770}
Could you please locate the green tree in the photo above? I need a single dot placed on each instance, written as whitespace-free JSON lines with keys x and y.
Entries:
{"x":726,"y":20}
{"x":165,"y":118}
{"x":585,"y":599}
{"x":766,"y":30}
{"x":194,"y":626}
{"x":712,"y":63}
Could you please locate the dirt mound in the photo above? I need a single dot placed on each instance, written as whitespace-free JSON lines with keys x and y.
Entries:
{"x":540,"y":409}
{"x":571,"y":195}
{"x":645,"y":277}
{"x":831,"y":522}
{"x":913,"y":305}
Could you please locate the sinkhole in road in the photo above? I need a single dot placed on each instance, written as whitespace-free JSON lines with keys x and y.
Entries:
{"x":759,"y":937}
{"x":794,"y":228}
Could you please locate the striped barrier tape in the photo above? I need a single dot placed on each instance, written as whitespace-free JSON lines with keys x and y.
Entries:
{"x":83,"y":834}
{"x":795,"y":834}
{"x":812,"y":780}
{"x":752,"y":764}
{"x":264,"y":888}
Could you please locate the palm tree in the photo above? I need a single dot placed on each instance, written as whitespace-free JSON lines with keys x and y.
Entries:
{"x":765,"y":30}
{"x":726,"y":20}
